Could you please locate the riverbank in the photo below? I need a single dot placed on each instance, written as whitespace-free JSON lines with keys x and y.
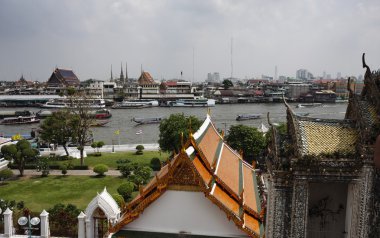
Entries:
{"x":106,"y":148}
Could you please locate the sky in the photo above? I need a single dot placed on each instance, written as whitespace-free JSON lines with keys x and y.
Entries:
{"x":165,"y":37}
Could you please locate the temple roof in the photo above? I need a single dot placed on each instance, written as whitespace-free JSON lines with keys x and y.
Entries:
{"x":146,"y":79}
{"x":315,"y":136}
{"x":66,"y":77}
{"x":208,"y":165}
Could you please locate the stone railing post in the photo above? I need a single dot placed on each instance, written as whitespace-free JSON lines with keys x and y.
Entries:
{"x":8,"y":223}
{"x":81,"y":225}
{"x":45,"y":231}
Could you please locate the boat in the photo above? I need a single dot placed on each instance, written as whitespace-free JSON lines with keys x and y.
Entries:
{"x":136,"y":104}
{"x":68,"y":103}
{"x":315,"y":104}
{"x":242,"y":117}
{"x":101,"y":114}
{"x":200,"y":102}
{"x":4,"y":114}
{"x":150,"y":120}
{"x":125,"y":105}
{"x":20,"y":120}
{"x":149,"y":102}
{"x":99,"y":123}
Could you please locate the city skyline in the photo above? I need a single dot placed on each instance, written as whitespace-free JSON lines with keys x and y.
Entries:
{"x":166,"y":38}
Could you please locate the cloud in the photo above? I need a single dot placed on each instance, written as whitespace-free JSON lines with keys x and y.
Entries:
{"x":89,"y":36}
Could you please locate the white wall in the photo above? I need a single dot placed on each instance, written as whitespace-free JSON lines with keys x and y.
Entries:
{"x":191,"y":212}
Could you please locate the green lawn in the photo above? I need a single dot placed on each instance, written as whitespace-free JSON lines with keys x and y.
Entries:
{"x":110,"y":159}
{"x":42,"y":193}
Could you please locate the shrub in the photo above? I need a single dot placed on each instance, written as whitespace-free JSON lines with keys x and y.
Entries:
{"x":6,"y":174}
{"x":125,"y":190}
{"x":155,"y":164}
{"x":64,"y":169}
{"x":100,"y":169}
{"x":139,"y":149}
{"x":119,"y":200}
{"x":67,"y":213}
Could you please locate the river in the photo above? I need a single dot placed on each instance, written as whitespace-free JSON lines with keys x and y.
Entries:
{"x":223,"y":115}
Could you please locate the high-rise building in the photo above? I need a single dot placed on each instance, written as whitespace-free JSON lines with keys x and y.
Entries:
{"x":213,"y":77}
{"x":304,"y":74}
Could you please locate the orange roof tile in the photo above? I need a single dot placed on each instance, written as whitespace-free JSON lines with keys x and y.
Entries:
{"x":252,"y":224}
{"x":225,"y":200}
{"x":205,"y":174}
{"x":228,"y":169}
{"x":250,"y":193}
{"x":209,"y":143}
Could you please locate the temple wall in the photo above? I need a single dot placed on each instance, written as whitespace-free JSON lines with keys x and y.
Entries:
{"x":185,"y":212}
{"x":375,"y":231}
{"x":278,"y":210}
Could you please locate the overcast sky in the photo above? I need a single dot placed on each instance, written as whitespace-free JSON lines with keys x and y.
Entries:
{"x":162,"y":36}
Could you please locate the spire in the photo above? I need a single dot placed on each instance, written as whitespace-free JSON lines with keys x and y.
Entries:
{"x":111,"y":73}
{"x":121,"y":72}
{"x":126,"y":70}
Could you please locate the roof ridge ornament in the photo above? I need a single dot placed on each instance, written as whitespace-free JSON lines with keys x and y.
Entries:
{"x":368,"y":71}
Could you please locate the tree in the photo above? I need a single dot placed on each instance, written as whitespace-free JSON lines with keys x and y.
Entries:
{"x":134,"y":172}
{"x":58,"y":129}
{"x":171,"y":129}
{"x":81,"y":121}
{"x":227,"y":84}
{"x":19,"y":154}
{"x":248,"y":140}
{"x":97,"y":145}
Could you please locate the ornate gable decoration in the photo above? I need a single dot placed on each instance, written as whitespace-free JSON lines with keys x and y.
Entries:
{"x":208,"y":165}
{"x":107,"y":204}
{"x":365,"y":109}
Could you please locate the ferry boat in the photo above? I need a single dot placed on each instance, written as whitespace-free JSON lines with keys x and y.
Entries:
{"x":200,"y":102}
{"x":4,"y":114}
{"x":136,"y":104}
{"x":66,"y":103}
{"x":243,"y":117}
{"x":150,"y":120}
{"x":20,"y":120}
